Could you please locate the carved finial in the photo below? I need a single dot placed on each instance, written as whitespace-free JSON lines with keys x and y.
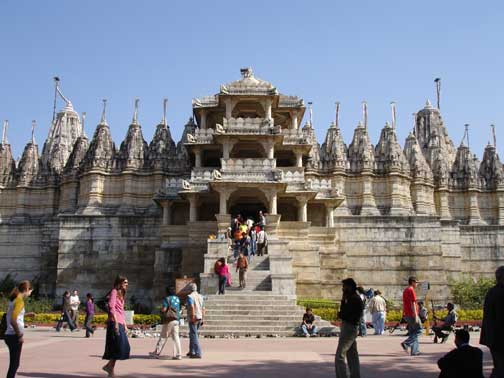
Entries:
{"x":394,"y":114}
{"x":134,"y":121}
{"x":310,"y":104}
{"x":493,"y":135}
{"x":246,"y":72}
{"x":337,"y":114}
{"x":56,"y":84}
{"x":34,"y":124}
{"x":428,"y":104}
{"x":438,"y":91}
{"x":365,"y":114}
{"x":103,"y":120}
{"x":165,"y":103}
{"x":4,"y":132}
{"x":466,"y":135}
{"x":387,"y":125}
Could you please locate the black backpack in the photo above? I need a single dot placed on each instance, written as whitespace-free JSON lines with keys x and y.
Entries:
{"x":3,"y":326}
{"x":102,"y":303}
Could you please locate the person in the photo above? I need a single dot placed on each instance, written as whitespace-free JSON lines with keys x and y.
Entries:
{"x":362,"y":322}
{"x":492,"y":328}
{"x":15,"y":325}
{"x":250,"y":223}
{"x":171,"y":309}
{"x":195,"y":314}
{"x":89,"y":315}
{"x":116,"y":340}
{"x":307,"y":326}
{"x":464,"y":361}
{"x":222,"y":270}
{"x":448,"y":323}
{"x":253,"y":242}
{"x":242,"y":266}
{"x":423,"y":314}
{"x":262,"y":219}
{"x":261,"y":242}
{"x":378,"y":307}
{"x":229,"y":238}
{"x":65,"y":313}
{"x":74,"y":308}
{"x":350,"y":314}
{"x":410,"y":314}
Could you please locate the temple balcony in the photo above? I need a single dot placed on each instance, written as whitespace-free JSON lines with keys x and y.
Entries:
{"x":247,"y":126}
{"x":201,"y":136}
{"x":294,"y":137}
{"x":248,"y":164}
{"x":205,"y":175}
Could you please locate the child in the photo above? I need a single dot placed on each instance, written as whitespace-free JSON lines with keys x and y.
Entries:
{"x":89,"y":315}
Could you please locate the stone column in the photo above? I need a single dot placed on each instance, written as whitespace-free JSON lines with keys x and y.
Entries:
{"x":273,"y":203}
{"x":270,"y":150}
{"x":444,"y":210}
{"x":368,"y":201}
{"x":197,"y":157}
{"x":500,"y":206}
{"x":268,"y":108}
{"x":193,"y":208}
{"x":223,"y":197}
{"x":302,"y":209}
{"x":229,"y":107}
{"x":299,"y":159}
{"x":294,"y":120}
{"x":474,"y":213}
{"x":167,"y":213}
{"x":203,"y":119}
{"x":330,"y":214}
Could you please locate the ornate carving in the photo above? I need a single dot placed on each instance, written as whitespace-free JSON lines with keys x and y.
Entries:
{"x":360,"y":151}
{"x":490,"y":170}
{"x":388,"y":153}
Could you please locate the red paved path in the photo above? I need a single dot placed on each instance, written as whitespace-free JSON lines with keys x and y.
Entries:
{"x":68,"y":355}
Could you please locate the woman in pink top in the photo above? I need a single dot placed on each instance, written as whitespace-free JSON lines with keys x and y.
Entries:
{"x":222,"y":271}
{"x":116,"y":345}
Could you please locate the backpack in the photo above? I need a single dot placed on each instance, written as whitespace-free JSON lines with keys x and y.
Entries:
{"x":102,"y":303}
{"x":3,"y":326}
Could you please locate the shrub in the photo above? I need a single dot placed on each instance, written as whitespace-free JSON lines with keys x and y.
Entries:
{"x":326,"y":313}
{"x":470,"y":294}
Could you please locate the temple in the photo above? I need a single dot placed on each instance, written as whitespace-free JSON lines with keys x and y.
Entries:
{"x":84,"y":210}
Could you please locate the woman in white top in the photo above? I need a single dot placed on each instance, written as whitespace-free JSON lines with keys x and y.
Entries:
{"x":15,"y":325}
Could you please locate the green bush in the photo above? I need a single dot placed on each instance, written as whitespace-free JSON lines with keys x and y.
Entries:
{"x":470,"y":294}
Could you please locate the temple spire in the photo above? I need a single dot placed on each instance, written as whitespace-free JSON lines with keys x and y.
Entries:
{"x":4,"y":133}
{"x":135,"y":113}
{"x":414,"y":124}
{"x":165,"y":103}
{"x":336,"y":122}
{"x":466,"y":135}
{"x":103,"y":120}
{"x":34,"y":124}
{"x":394,"y":114}
{"x":310,"y":104}
{"x":365,"y":114}
{"x":438,"y":91}
{"x":493,"y":135}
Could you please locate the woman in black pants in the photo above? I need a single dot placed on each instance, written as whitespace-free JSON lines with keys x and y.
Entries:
{"x":15,"y":325}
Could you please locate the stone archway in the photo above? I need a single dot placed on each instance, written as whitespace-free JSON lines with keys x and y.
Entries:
{"x":247,"y":202}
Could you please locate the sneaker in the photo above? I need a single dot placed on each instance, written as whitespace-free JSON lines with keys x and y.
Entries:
{"x":189,"y":354}
{"x":194,"y":356}
{"x":307,"y":335}
{"x":153,"y":355}
{"x":405,"y":347}
{"x":176,"y":357}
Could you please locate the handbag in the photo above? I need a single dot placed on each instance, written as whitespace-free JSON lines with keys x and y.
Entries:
{"x":169,"y":316}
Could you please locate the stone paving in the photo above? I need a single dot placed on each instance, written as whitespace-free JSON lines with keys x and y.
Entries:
{"x":48,"y":354}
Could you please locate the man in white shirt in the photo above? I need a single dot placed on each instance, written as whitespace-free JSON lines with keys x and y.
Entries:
{"x":377,"y":306}
{"x":261,"y":242}
{"x":195,"y":314}
{"x":74,"y":307}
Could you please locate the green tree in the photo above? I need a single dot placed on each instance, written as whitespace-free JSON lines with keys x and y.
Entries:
{"x":470,"y":293}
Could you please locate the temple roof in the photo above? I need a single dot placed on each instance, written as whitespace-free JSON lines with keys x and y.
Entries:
{"x":248,"y":85}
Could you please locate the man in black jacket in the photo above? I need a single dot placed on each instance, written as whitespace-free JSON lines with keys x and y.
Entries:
{"x":350,"y":313}
{"x":492,"y":329}
{"x":465,"y":361}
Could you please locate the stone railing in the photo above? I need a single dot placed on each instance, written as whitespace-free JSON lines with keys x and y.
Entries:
{"x":317,"y":184}
{"x":201,"y":136}
{"x":290,"y":102}
{"x":293,"y":136}
{"x":204,"y":175}
{"x":292,"y":175}
{"x":206,"y":101}
{"x":248,"y":164}
{"x":255,"y":126}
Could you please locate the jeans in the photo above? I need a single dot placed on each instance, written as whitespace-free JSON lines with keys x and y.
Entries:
{"x":362,"y":326}
{"x":414,"y":331}
{"x":347,"y":347}
{"x":65,"y":317}
{"x":312,"y":330}
{"x":438,"y":331}
{"x":498,"y":361}
{"x":194,"y":347}
{"x":15,"y":347}
{"x":222,"y":284}
{"x":379,"y":322}
{"x":87,"y":324}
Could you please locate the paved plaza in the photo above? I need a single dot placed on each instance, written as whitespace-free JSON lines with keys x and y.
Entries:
{"x":48,"y":354}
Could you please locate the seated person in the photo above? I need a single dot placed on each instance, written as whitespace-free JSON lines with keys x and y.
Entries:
{"x":307,"y":326}
{"x":465,"y":361}
{"x":447,"y":325}
{"x":423,"y":314}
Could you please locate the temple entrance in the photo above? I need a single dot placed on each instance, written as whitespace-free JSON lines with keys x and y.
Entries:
{"x":247,"y":202}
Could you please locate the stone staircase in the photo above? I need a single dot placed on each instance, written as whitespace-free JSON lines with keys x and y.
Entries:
{"x":258,"y":275}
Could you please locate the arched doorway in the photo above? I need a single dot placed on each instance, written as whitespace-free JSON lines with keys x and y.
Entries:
{"x":247,"y":202}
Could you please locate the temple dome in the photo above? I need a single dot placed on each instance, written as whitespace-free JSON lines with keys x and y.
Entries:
{"x":248,"y":84}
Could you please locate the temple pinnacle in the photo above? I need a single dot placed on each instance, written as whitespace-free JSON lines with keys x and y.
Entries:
{"x":135,"y":113}
{"x":336,"y":122}
{"x":4,"y":133}
{"x":165,"y":103}
{"x":365,"y":114}
{"x":103,"y":120}
{"x":310,"y":104}
{"x":34,"y":124}
{"x":394,"y":114}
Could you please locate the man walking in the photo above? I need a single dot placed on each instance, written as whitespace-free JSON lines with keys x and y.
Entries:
{"x":350,"y":313}
{"x":261,"y":242}
{"x":410,"y":314}
{"x":377,"y":307}
{"x":242,"y":266}
{"x":195,"y":313}
{"x":74,"y":307}
{"x":492,"y":329}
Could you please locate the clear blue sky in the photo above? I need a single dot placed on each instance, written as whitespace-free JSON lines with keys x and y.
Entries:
{"x":322,"y":51}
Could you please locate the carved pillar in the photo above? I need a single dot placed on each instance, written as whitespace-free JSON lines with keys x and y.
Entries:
{"x":167,"y":213}
{"x":500,"y":206}
{"x":193,"y":208}
{"x":302,"y":209}
{"x":299,"y":158}
{"x":396,"y":207}
{"x":368,"y":201}
{"x":444,"y":209}
{"x":268,"y":108}
{"x":203,"y":119}
{"x":223,"y":198}
{"x":229,"y":107}
{"x":330,"y":214}
{"x":270,"y":149}
{"x":197,"y":157}
{"x":271,"y":195}
{"x":294,"y":120}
